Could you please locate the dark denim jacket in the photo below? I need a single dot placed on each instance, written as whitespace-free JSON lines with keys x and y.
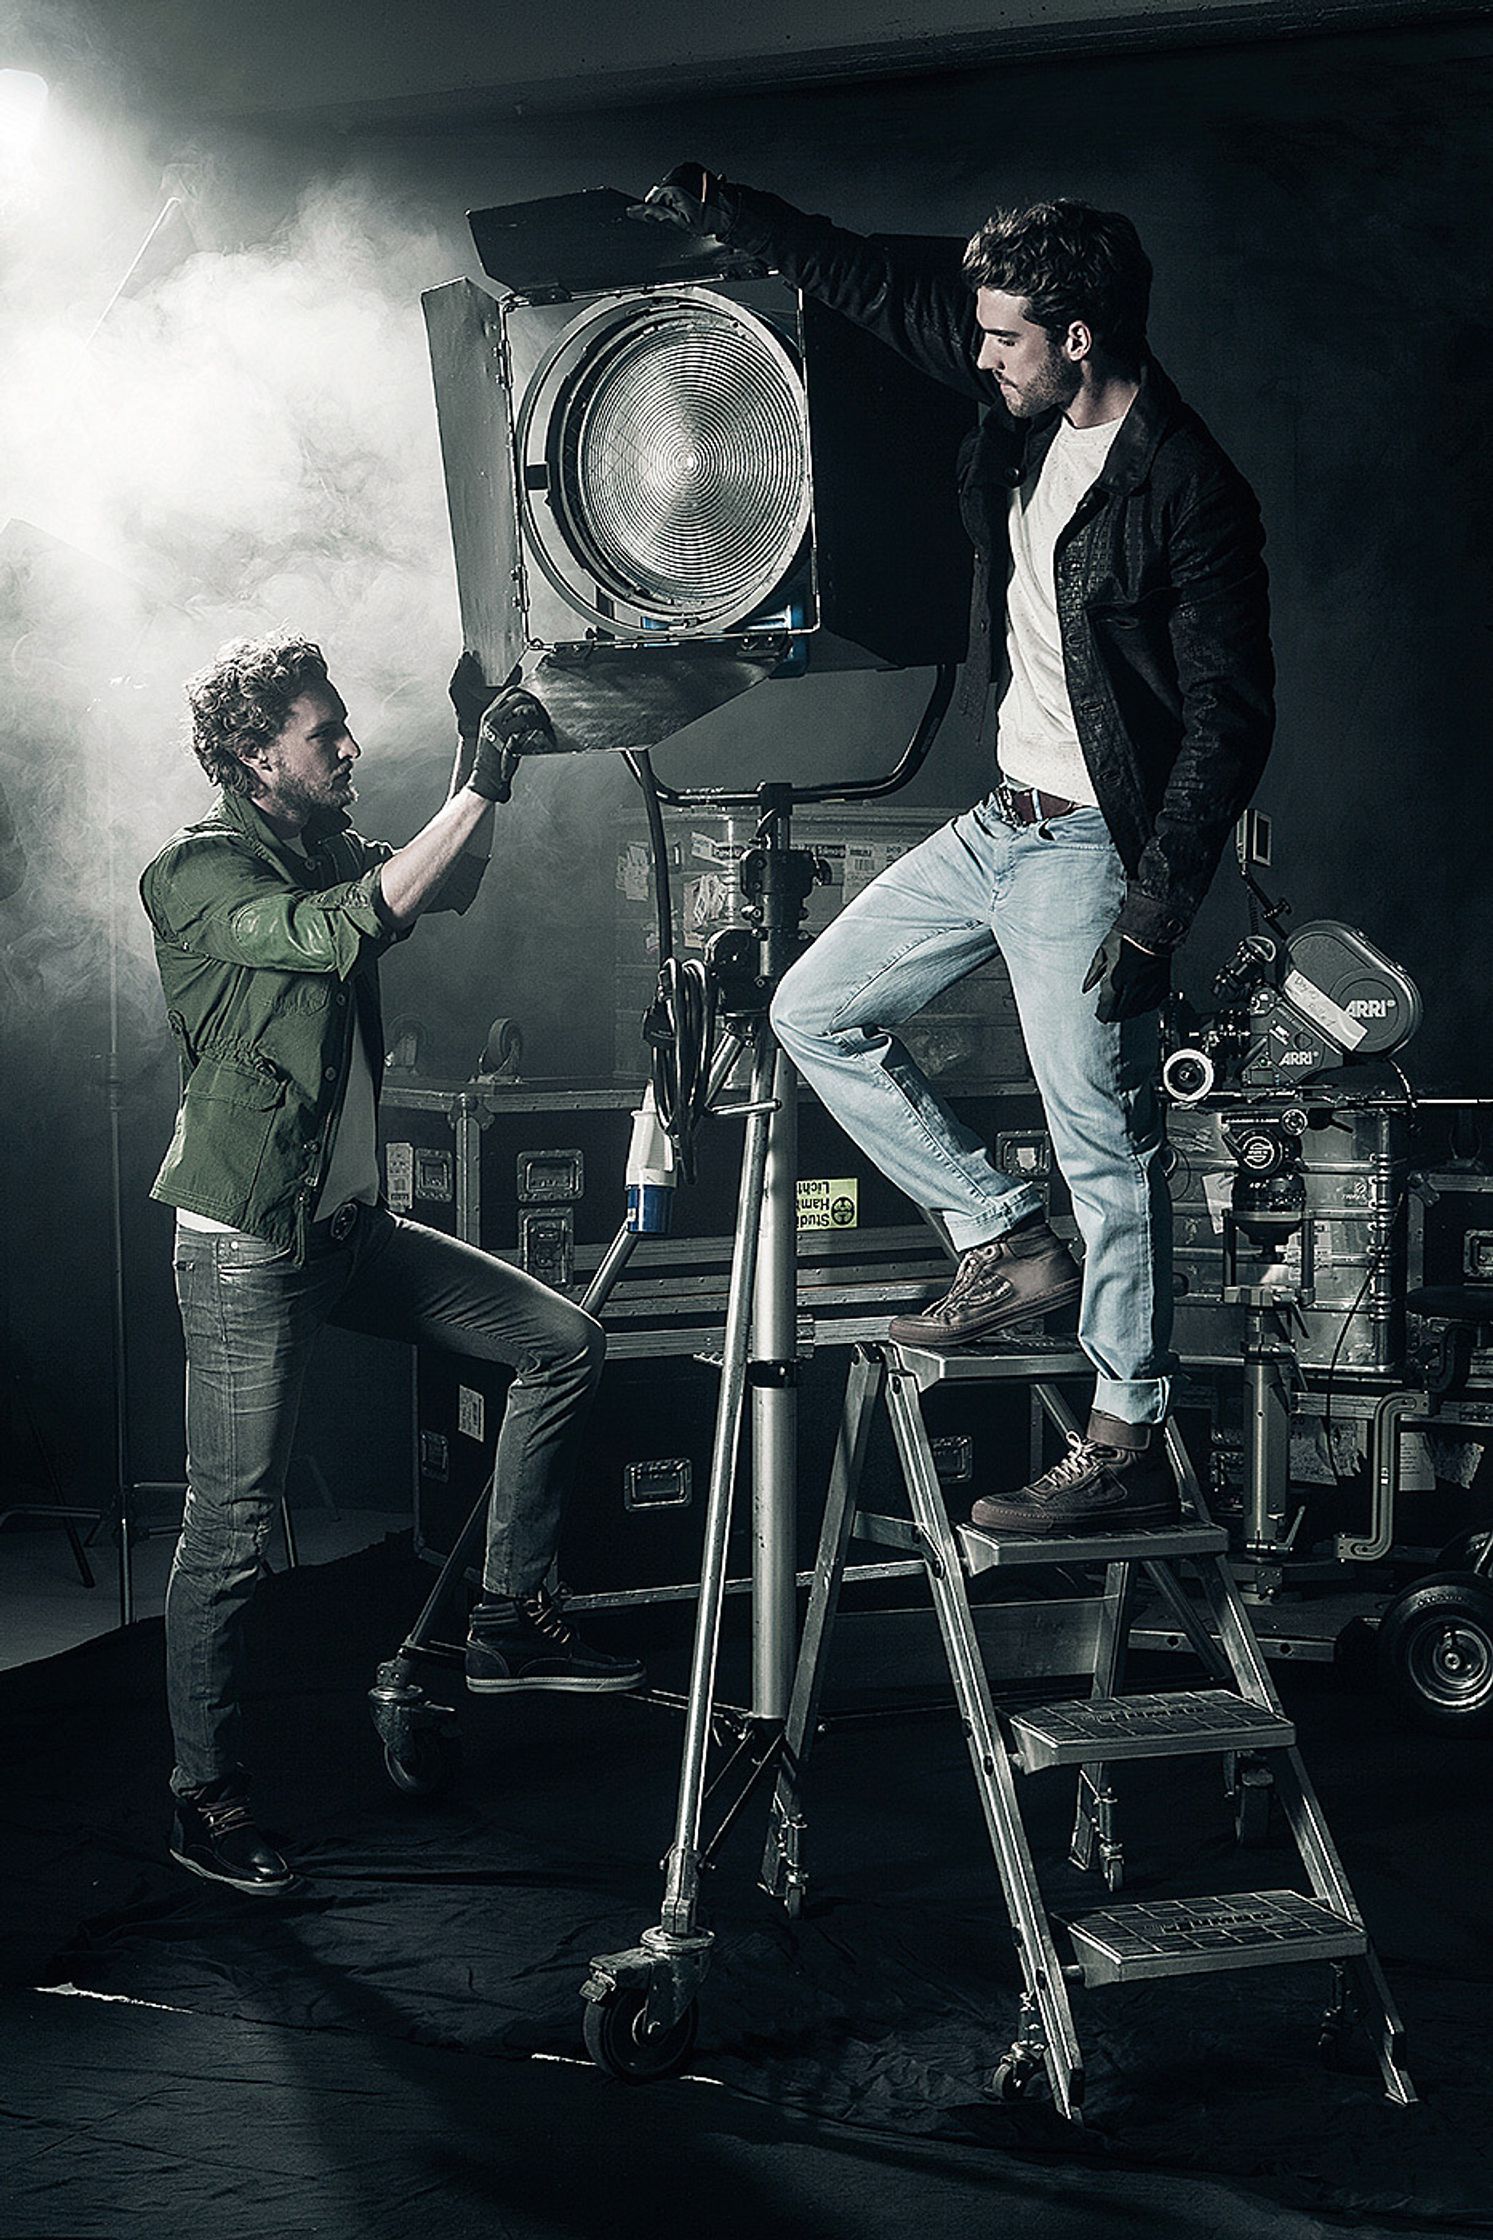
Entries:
{"x":1162,"y":594}
{"x":267,"y":958}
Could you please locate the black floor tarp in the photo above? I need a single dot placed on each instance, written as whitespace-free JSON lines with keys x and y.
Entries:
{"x":433,"y":1943}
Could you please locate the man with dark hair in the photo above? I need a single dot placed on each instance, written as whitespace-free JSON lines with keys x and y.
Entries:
{"x":270,"y":916}
{"x":1121,"y":609}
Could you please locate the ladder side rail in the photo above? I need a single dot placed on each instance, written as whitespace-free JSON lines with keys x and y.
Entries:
{"x":1189,"y":1486}
{"x":1388,"y":2040}
{"x":1309,"y":1830}
{"x":1208,"y":1651}
{"x":1056,"y":1409}
{"x":1304,"y":1814}
{"x":995,"y":1776}
{"x":781,"y":1868}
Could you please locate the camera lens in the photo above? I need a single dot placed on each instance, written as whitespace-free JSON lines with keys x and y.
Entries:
{"x":1187,"y":1076}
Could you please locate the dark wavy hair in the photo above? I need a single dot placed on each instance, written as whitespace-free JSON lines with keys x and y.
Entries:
{"x":243,"y":699}
{"x":1070,"y":262}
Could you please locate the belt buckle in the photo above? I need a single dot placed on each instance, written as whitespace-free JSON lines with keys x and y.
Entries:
{"x":344,"y":1221}
{"x":1005,"y":802}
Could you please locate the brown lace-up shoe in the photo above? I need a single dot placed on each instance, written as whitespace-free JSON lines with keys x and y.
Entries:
{"x":1027,"y":1272}
{"x":1111,"y":1479}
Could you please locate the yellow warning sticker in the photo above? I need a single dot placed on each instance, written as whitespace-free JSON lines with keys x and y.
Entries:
{"x":830,"y":1205}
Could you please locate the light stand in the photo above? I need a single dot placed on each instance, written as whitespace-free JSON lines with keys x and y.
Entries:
{"x":640,"y":2003}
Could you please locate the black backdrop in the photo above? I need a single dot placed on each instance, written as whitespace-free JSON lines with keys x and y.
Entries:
{"x":1316,"y":213}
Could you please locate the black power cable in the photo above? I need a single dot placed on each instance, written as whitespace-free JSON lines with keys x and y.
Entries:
{"x":679,"y":1026}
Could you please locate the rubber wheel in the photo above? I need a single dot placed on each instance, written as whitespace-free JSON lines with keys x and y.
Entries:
{"x":1436,"y":1652}
{"x":426,"y":1769}
{"x":617,"y":2042}
{"x":1013,"y":2073}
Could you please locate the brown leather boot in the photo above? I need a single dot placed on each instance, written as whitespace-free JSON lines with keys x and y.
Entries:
{"x":1029,"y":1271}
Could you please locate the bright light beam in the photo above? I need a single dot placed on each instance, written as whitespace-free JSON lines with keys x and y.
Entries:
{"x":23,"y":109}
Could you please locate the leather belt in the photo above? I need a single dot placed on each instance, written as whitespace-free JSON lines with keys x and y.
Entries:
{"x":1029,"y":805}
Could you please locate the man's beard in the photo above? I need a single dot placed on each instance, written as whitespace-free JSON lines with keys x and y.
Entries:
{"x":295,"y":798}
{"x":1057,"y":383}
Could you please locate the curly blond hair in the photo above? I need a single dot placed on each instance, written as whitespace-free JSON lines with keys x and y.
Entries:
{"x":243,"y":698}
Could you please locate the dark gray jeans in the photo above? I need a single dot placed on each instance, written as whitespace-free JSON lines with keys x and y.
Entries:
{"x":251,"y":1317}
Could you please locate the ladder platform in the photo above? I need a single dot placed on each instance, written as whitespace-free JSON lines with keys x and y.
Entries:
{"x":1030,"y":1356}
{"x":1205,"y":1936}
{"x":991,"y":1551}
{"x":1180,"y":1722}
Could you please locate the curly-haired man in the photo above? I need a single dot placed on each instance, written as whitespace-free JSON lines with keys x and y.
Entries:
{"x":1121,"y":610}
{"x":270,"y":916}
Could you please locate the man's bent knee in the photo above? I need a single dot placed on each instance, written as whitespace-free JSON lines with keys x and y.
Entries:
{"x":797,"y":1011}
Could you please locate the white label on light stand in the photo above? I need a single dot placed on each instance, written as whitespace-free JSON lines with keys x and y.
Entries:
{"x":829,"y":1205}
{"x":1345,"y":1030}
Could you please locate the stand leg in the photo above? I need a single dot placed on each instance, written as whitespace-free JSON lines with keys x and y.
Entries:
{"x":774,"y":1375}
{"x":682,"y":1880}
{"x":640,"y":2002}
{"x":783,"y":1874}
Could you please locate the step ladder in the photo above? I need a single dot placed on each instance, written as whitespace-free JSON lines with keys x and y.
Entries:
{"x":1239,"y":1718}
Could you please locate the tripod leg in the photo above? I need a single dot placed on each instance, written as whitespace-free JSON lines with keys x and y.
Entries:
{"x":783,"y":1873}
{"x":775,"y":1412}
{"x":640,"y":2003}
{"x":682,"y":1884}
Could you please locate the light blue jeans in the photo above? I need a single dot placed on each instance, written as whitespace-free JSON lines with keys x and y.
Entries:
{"x":1044,"y":896}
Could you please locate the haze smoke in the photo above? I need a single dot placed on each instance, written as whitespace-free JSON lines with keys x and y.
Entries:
{"x":247,"y":441}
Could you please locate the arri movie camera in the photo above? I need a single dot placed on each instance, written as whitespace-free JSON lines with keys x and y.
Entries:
{"x":1292,"y":1010}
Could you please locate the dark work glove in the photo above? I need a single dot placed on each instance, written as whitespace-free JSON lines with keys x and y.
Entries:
{"x":683,"y":199}
{"x":471,"y":695}
{"x":1131,"y":981}
{"x":516,"y":724}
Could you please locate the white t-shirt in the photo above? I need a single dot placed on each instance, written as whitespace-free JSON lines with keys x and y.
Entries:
{"x":1036,"y":737}
{"x":352,"y":1170}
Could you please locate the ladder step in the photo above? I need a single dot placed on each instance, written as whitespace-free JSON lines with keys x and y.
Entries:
{"x":1204,"y":1936}
{"x":1178,"y":1723}
{"x":989,"y":1551}
{"x":1025,"y":1358}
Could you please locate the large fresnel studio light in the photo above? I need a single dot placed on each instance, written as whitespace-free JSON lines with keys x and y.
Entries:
{"x":664,"y":449}
{"x":670,"y":476}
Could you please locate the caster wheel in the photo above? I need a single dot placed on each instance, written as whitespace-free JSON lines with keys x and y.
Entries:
{"x":424,"y":1768}
{"x":1012,"y":2076}
{"x":618,"y":2043}
{"x":1114,"y":1873}
{"x":1436,"y":1652}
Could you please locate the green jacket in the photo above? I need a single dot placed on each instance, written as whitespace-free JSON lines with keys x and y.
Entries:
{"x":267,"y":958}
